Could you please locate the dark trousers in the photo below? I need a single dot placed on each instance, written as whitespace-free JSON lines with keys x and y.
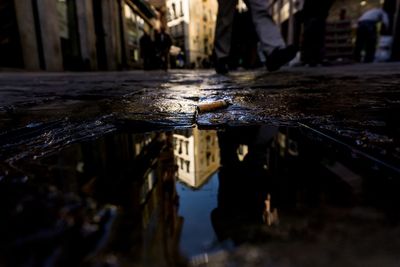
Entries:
{"x":366,"y":40}
{"x":314,"y":16}
{"x":313,"y":41}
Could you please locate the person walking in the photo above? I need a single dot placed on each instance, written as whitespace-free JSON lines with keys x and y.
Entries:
{"x":367,"y":34}
{"x":273,"y":45}
{"x":163,"y":43}
{"x":147,"y":50}
{"x":314,"y":13}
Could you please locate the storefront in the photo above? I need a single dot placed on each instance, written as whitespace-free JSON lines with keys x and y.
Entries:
{"x":136,"y":24}
{"x":77,"y":35}
{"x":10,"y":49}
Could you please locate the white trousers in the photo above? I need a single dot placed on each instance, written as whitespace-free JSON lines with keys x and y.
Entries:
{"x":267,"y":31}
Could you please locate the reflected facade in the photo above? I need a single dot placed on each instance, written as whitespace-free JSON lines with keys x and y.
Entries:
{"x":132,"y":199}
{"x":196,"y":155}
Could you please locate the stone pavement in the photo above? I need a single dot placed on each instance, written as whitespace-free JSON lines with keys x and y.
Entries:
{"x":358,"y":103}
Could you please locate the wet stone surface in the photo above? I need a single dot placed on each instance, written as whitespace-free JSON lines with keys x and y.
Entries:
{"x":357,"y":103}
{"x":244,"y":196}
{"x":106,"y":169}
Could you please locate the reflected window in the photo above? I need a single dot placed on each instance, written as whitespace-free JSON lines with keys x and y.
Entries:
{"x":182,"y":162}
{"x":134,"y":26}
{"x":62,"y":11}
{"x":174,"y":10}
{"x":187,"y":147}
{"x":240,"y":150}
{"x":187,"y":166}
{"x":181,"y":6}
{"x":180,"y":146}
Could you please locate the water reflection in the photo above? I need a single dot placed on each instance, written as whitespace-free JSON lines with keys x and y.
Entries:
{"x":164,"y":198}
{"x":243,"y":181}
{"x":196,"y":155}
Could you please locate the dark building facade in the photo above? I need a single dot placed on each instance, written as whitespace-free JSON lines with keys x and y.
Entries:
{"x":57,"y":35}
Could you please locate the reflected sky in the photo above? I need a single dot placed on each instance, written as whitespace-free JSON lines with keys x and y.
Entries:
{"x":198,"y":235}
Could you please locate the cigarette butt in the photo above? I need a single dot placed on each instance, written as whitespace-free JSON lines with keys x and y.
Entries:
{"x":212,"y":106}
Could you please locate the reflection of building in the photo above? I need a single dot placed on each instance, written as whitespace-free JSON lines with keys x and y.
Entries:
{"x":59,"y":35}
{"x":192,"y":24}
{"x":242,"y":151}
{"x":136,"y":173}
{"x":141,"y":177}
{"x":197,"y":155}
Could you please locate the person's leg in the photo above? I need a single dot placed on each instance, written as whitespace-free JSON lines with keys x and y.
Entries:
{"x":307,"y":44}
{"x":318,"y":41}
{"x":267,"y":31}
{"x":223,"y":34}
{"x":370,"y":44}
{"x":315,"y":13}
{"x":359,"y":44}
{"x":223,"y":30}
{"x":272,"y":43}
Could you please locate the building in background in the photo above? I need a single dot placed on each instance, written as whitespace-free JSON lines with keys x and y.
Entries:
{"x":191,"y":24}
{"x":56,"y":35}
{"x":161,"y":7}
{"x":196,"y":155}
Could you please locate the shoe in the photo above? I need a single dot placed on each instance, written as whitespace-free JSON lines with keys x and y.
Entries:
{"x":279,"y":57}
{"x":221,"y":65}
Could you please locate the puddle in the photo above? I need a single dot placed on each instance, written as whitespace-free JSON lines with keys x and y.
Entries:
{"x":235,"y":196}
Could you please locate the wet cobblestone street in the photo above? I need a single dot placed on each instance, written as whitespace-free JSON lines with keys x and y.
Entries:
{"x":357,"y":102}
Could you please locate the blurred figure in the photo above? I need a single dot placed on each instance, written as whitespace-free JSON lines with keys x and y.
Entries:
{"x":315,"y":13}
{"x":244,"y":181}
{"x":180,"y":60}
{"x":367,"y":34}
{"x":147,"y":50}
{"x":343,"y":14}
{"x":273,"y":45}
{"x":163,"y":43}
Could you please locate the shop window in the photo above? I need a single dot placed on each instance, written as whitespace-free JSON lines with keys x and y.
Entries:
{"x":69,"y":35}
{"x":134,"y":27}
{"x":62,"y":11}
{"x":10,"y":44}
